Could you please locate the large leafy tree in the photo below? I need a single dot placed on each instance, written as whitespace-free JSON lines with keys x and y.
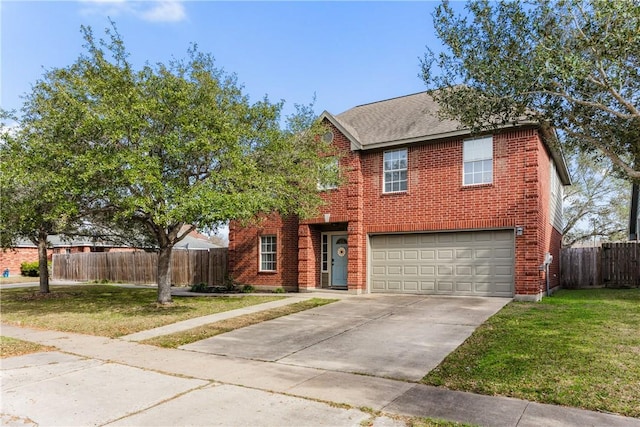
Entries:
{"x":41,"y":191}
{"x":49,"y":183}
{"x":597,"y":202}
{"x":179,"y":146}
{"x":571,"y":63}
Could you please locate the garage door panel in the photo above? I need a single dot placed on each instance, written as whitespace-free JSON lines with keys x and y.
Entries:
{"x":378,"y":285}
{"x":483,"y":253}
{"x":394,"y":285}
{"x":445,"y":270}
{"x":464,"y":270}
{"x":410,"y":240}
{"x":464,"y":286}
{"x":394,"y":255}
{"x":378,"y":270}
{"x":426,"y":239}
{"x":463,"y":237}
{"x":410,"y":285}
{"x":410,"y":255}
{"x":445,"y":254}
{"x":427,"y":270}
{"x":464,"y":254}
{"x":394,"y":270}
{"x":483,"y":237}
{"x":426,"y":254}
{"x":445,"y":238}
{"x":504,"y":253}
{"x":444,"y":287}
{"x":427,"y":285}
{"x":410,"y":270}
{"x":464,"y":263}
{"x":503,"y":270}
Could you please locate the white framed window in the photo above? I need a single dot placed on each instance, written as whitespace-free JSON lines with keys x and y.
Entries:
{"x":478,"y":161}
{"x":332,"y":168}
{"x":395,"y":171}
{"x":268,"y":253}
{"x":325,"y":253}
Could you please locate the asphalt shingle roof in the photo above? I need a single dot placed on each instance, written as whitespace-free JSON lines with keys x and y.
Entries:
{"x":403,"y":118}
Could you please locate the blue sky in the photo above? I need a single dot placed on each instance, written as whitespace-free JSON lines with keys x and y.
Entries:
{"x":347,"y":53}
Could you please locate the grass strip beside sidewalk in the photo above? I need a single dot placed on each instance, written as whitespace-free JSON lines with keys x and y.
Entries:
{"x":177,"y":339}
{"x":10,"y":347}
{"x":577,"y":348}
{"x":107,"y":310}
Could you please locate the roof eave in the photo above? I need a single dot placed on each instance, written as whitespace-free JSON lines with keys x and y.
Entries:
{"x":444,"y":135}
{"x":355,"y":144}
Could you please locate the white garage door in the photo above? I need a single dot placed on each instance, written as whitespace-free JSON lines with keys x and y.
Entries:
{"x":477,"y":263}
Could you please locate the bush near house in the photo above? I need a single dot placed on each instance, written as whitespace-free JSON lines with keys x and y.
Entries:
{"x":30,"y":269}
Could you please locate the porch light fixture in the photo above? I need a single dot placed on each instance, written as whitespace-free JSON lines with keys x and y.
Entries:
{"x":327,"y":217}
{"x":519,"y":230}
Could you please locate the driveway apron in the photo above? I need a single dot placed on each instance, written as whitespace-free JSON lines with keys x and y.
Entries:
{"x":401,"y":337}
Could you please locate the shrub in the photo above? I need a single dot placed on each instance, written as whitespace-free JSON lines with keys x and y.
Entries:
{"x":30,"y":269}
{"x":200,"y":287}
{"x":279,"y":290}
{"x":230,"y":285}
{"x":247,"y":289}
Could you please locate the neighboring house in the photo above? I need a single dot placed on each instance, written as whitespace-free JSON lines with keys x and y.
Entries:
{"x":26,"y":251}
{"x":425,"y":208}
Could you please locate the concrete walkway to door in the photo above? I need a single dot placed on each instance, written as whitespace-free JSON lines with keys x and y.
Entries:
{"x":392,"y":336}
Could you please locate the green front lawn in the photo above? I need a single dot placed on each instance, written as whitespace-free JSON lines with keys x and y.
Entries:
{"x":110,"y":311}
{"x":577,"y":348}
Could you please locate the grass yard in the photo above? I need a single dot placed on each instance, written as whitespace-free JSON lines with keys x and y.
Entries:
{"x":110,"y":311}
{"x":18,"y":279}
{"x":577,"y":348}
{"x":207,"y":331}
{"x":10,"y":347}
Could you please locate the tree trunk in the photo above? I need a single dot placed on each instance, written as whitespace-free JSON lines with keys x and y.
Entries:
{"x":164,"y":275}
{"x":43,"y":268}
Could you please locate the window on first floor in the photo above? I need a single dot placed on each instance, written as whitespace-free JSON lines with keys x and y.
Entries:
{"x":478,"y":161}
{"x":325,"y":253}
{"x":268,"y":253}
{"x":395,"y":171}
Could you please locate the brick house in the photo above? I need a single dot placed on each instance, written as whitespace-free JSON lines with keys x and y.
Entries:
{"x":425,"y":208}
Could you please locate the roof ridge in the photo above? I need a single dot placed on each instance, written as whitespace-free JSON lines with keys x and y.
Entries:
{"x":390,"y":99}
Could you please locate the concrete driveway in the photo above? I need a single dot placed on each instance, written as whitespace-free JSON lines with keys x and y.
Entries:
{"x":392,"y":336}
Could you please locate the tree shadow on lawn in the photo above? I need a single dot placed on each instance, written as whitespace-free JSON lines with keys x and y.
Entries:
{"x":105,"y":310}
{"x":90,"y":299}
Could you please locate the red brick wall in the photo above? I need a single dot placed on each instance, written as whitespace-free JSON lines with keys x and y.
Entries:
{"x":435,"y":200}
{"x":12,"y":258}
{"x":244,"y":253}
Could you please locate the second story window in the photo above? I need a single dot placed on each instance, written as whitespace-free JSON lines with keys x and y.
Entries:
{"x":478,"y":161}
{"x":395,"y":171}
{"x":329,"y":174}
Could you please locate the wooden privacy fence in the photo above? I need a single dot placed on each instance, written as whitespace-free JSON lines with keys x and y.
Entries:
{"x":614,"y":265}
{"x":188,"y":267}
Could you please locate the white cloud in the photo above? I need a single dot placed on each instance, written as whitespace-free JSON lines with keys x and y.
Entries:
{"x":165,"y":11}
{"x":153,"y":11}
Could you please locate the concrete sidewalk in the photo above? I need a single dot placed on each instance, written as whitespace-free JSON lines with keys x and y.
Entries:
{"x":99,"y":381}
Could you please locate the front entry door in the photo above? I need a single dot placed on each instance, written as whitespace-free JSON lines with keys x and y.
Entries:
{"x":339,"y":258}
